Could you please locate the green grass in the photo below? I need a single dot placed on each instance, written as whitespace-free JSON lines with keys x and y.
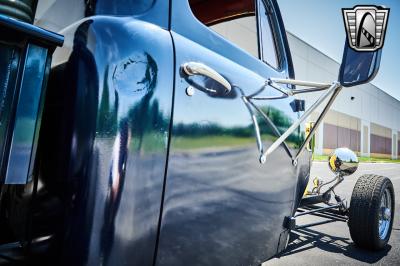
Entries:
{"x":186,"y":143}
{"x":151,"y":143}
{"x":201,"y":142}
{"x":321,"y":158}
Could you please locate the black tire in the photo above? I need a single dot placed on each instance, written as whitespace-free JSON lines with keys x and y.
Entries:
{"x":364,"y":211}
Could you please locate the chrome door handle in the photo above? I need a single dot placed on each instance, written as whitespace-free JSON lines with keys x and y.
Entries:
{"x":194,"y":68}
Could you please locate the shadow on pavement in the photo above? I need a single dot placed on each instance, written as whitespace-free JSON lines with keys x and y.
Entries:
{"x":306,"y":238}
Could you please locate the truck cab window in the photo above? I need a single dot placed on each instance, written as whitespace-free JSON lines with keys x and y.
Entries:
{"x":234,"y":20}
{"x":268,"y":48}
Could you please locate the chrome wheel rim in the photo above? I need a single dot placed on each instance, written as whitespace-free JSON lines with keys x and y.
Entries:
{"x":385,"y":214}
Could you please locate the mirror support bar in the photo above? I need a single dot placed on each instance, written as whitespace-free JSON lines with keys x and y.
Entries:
{"x":301,"y":83}
{"x":333,"y":89}
{"x":337,"y":90}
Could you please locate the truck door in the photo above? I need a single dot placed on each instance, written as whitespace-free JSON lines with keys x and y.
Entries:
{"x":222,"y":206}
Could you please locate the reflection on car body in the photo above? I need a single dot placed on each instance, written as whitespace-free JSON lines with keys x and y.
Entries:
{"x":171,"y":135}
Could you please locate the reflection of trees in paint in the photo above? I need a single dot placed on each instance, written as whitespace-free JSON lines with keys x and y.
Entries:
{"x":107,"y":117}
{"x":133,"y":116}
{"x":282,"y":122}
{"x":146,"y":112}
{"x":278,"y":117}
{"x":144,"y":115}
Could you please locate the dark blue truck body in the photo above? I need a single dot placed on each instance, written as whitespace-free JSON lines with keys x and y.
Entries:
{"x":133,"y":171}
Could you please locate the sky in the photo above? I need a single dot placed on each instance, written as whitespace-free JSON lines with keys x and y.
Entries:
{"x":320,"y":23}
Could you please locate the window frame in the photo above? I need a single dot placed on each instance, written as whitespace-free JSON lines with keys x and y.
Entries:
{"x":275,"y":28}
{"x":185,"y":23}
{"x":256,"y":42}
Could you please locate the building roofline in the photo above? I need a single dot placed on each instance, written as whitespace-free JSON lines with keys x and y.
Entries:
{"x":306,"y":43}
{"x":335,"y":61}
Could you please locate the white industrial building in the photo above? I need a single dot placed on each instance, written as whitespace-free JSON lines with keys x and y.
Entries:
{"x":364,"y":118}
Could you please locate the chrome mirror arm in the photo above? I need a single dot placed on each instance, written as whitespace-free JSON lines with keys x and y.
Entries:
{"x":300,"y":83}
{"x":335,"y":87}
{"x":255,"y":124}
{"x":331,"y":90}
{"x":274,"y":83}
{"x":271,"y":124}
{"x":260,"y":146}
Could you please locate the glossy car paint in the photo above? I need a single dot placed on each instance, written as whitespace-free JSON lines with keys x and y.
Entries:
{"x":105,"y":138}
{"x":221,"y":206}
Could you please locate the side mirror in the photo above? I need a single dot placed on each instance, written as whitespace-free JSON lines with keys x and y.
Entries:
{"x":358,"y":67}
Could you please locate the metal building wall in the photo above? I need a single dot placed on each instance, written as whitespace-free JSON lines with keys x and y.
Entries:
{"x":381,"y":141}
{"x":358,"y":114}
{"x":341,"y":130}
{"x":398,"y":144}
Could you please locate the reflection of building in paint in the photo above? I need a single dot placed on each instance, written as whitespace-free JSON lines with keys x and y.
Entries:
{"x":363,"y":118}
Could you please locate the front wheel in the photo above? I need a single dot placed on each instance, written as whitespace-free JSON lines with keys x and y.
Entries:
{"x":371,"y":212}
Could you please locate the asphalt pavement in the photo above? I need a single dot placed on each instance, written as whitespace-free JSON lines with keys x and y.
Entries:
{"x":331,"y":244}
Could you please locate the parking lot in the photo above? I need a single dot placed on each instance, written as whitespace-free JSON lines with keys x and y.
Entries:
{"x":331,"y":244}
